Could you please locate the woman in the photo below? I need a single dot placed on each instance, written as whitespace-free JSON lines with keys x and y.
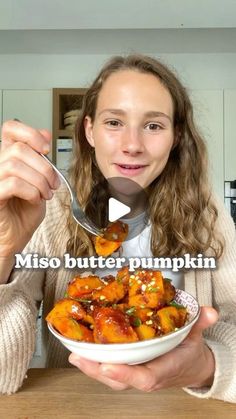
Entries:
{"x":137,"y":123}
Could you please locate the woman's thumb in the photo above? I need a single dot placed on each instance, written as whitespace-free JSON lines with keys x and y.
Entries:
{"x":208,"y":317}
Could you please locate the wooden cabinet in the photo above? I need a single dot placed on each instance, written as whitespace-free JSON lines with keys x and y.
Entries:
{"x":33,"y":107}
{"x":208,"y":116}
{"x":230,"y":134}
{"x":64,"y":100}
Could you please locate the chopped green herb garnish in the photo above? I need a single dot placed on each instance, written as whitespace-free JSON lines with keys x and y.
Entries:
{"x":174,"y":304}
{"x":130,"y":310}
{"x":137,"y":322}
{"x":151,"y":289}
{"x":83,"y":300}
{"x":168,"y":279}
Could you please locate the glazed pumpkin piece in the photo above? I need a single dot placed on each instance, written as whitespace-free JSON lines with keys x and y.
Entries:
{"x":80,"y":286}
{"x":123,"y":275}
{"x":116,"y":231}
{"x":104,"y":247}
{"x":170,"y":318}
{"x":112,"y":326}
{"x":70,"y":328}
{"x":112,"y":293}
{"x":66,"y":308}
{"x":145,"y":332}
{"x":147,"y":289}
{"x":114,"y":235}
{"x":144,"y":314}
{"x":182,"y":317}
{"x":169,"y":290}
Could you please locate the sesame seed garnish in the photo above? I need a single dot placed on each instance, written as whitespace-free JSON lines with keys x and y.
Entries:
{"x":143,"y":287}
{"x":150,"y":313}
{"x":149,"y":322}
{"x":102,"y":297}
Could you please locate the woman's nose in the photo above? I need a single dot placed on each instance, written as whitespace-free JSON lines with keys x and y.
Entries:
{"x":132,"y":142}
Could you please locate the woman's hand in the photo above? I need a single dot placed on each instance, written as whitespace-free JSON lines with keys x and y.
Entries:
{"x":26,"y":182}
{"x":191,"y":364}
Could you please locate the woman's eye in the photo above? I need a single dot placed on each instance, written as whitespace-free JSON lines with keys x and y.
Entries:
{"x":113,"y":123}
{"x":153,"y":126}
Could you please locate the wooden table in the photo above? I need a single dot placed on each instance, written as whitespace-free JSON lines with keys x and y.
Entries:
{"x":67,"y":394}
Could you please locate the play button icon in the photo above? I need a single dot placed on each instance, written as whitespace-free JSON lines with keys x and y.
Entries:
{"x":117,"y":209}
{"x":118,"y":198}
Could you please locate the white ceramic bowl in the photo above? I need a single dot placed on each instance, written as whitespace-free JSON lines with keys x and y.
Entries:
{"x":137,"y":352}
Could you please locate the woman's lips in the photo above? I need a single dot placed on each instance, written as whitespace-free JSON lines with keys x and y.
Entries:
{"x":130,"y":169}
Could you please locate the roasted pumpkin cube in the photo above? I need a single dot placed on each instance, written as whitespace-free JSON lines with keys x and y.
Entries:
{"x":123,"y":275}
{"x":111,"y":325}
{"x":112,"y":293}
{"x":80,"y":286}
{"x":145,"y":332}
{"x":144,"y":314}
{"x":70,"y":328}
{"x":146,"y":289}
{"x":170,"y":318}
{"x":182,"y":316}
{"x":169,"y":291}
{"x":66,"y":308}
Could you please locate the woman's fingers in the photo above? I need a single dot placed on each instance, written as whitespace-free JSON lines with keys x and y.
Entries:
{"x":92,"y":369}
{"x":17,"y":170}
{"x":16,"y":131}
{"x":20,"y":153}
{"x":18,"y":188}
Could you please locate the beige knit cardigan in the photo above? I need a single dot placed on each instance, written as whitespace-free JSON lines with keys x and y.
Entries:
{"x":21,"y":296}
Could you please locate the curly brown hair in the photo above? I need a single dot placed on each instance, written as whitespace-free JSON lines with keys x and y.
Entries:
{"x":181,"y":210}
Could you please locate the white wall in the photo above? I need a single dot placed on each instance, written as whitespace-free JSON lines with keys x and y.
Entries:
{"x":31,"y":71}
{"x":208,"y":72}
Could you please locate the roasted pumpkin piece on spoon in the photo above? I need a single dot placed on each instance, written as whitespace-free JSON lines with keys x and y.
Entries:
{"x":114,"y":235}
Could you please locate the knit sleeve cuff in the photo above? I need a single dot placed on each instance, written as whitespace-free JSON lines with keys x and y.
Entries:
{"x":222,"y":387}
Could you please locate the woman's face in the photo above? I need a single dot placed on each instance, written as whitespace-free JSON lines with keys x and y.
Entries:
{"x":132,"y":132}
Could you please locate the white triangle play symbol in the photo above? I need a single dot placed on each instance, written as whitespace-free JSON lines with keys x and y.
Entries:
{"x":116,"y":209}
